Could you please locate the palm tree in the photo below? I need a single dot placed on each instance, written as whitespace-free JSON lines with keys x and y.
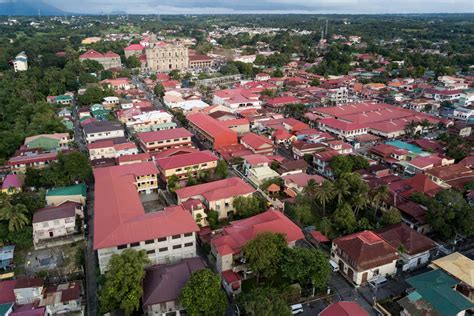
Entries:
{"x":341,"y":190}
{"x":311,"y":187}
{"x":410,"y":128}
{"x":379,"y":196}
{"x":324,"y":194}
{"x":15,"y":215}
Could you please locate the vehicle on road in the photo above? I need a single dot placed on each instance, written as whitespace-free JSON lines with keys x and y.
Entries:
{"x":334,"y":266}
{"x":296,"y":309}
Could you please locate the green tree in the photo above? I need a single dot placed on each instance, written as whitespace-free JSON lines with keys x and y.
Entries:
{"x":304,"y":214}
{"x":247,"y":206}
{"x":174,"y":74}
{"x":221,"y":170}
{"x":306,"y":266}
{"x":324,"y":194}
{"x":213,"y":219}
{"x":159,"y":90}
{"x":173,"y":183}
{"x":391,"y":216}
{"x":202,"y":294}
{"x":123,"y":282}
{"x":15,"y":215}
{"x":91,"y":96}
{"x":344,"y":219}
{"x":133,"y":62}
{"x":277,"y":73}
{"x":264,"y":253}
{"x":264,"y":301}
{"x":341,"y":164}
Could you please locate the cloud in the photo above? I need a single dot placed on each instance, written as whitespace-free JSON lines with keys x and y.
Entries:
{"x":264,"y":6}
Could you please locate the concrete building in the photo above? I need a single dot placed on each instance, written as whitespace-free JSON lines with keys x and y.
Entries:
{"x":166,"y":57}
{"x":28,"y":290}
{"x":151,"y":121}
{"x":96,"y":131}
{"x":217,"y":195}
{"x":184,"y":165}
{"x":20,"y":63}
{"x":156,"y":141}
{"x":364,"y":256}
{"x":211,"y":131}
{"x":120,"y":220}
{"x":107,"y":60}
{"x":74,"y":193}
{"x":55,"y":141}
{"x":55,"y":221}
{"x":111,"y":148}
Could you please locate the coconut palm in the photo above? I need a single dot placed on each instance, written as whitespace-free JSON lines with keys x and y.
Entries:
{"x":379,"y":196}
{"x":311,"y":187}
{"x":324,"y":194}
{"x":341,"y":190}
{"x":15,"y":215}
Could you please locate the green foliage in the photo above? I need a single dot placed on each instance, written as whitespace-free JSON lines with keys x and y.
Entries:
{"x":347,"y":163}
{"x":159,"y":90}
{"x":264,"y":253}
{"x":174,"y":74}
{"x":213,"y":219}
{"x":202,"y":294}
{"x":457,"y":147}
{"x":70,"y":167}
{"x":91,"y":96}
{"x":248,"y":206}
{"x":448,"y":213}
{"x":344,"y":219}
{"x":391,"y":216}
{"x":295,"y":110}
{"x":264,"y":301}
{"x":277,"y":73}
{"x":277,"y":180}
{"x":173,"y":183}
{"x":304,"y":214}
{"x":123,"y":282}
{"x":306,"y":265}
{"x":221,"y":170}
{"x":133,"y":62}
{"x":15,"y":215}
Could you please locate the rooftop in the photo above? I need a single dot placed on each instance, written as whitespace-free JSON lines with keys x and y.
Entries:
{"x":75,"y":189}
{"x":401,"y":235}
{"x":119,"y":216}
{"x":457,"y":265}
{"x":217,"y":190}
{"x":187,"y":159}
{"x":156,"y":136}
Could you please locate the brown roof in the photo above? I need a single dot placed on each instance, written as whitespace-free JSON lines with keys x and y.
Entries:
{"x":55,"y":212}
{"x":413,"y":210}
{"x":26,"y":282}
{"x":400,"y":234}
{"x":163,"y":283}
{"x":451,"y":172}
{"x":366,"y":250}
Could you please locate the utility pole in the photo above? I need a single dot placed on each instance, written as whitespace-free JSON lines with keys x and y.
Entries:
{"x":326,"y":28}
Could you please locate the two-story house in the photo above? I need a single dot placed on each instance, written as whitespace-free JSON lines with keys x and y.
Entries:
{"x":55,"y":221}
{"x":217,"y":195}
{"x":96,"y":131}
{"x":363,"y":256}
{"x":156,"y":141}
{"x":184,"y":165}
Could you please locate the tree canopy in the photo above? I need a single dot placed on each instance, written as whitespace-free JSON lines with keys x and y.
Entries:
{"x":123,"y":289}
{"x":202,"y":294}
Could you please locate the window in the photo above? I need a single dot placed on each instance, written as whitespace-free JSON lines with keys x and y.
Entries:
{"x":189,"y":244}
{"x":161,"y":239}
{"x":122,"y":246}
{"x":151,"y":241}
{"x":163,"y":249}
{"x":188,"y":234}
{"x":176,"y":246}
{"x":135,"y":244}
{"x":149,"y":252}
{"x":176,"y":237}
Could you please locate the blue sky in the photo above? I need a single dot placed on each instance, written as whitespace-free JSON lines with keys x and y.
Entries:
{"x":264,"y":6}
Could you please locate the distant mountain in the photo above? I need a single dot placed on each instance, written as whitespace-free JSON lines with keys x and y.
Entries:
{"x":28,"y":7}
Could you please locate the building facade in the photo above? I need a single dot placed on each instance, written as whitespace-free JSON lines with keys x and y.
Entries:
{"x":166,"y":57}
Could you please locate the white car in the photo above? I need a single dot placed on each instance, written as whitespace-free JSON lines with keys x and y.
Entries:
{"x":296,"y":309}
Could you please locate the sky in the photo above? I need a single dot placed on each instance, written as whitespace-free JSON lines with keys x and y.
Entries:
{"x":264,"y":6}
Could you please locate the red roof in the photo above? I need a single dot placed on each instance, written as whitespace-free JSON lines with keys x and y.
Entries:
{"x":135,"y":47}
{"x":366,"y":250}
{"x":185,"y":160}
{"x":341,"y":125}
{"x":279,"y":101}
{"x":155,"y":136}
{"x":137,"y":157}
{"x":238,"y":233}
{"x":255,"y":141}
{"x":318,"y":236}
{"x":92,"y":54}
{"x":216,"y":190}
{"x":6,"y":291}
{"x":344,"y":308}
{"x":119,"y":216}
{"x":230,"y":276}
{"x":221,"y":134}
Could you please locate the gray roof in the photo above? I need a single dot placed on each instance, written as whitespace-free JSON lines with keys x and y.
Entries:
{"x":163,"y":283}
{"x":102,"y":126}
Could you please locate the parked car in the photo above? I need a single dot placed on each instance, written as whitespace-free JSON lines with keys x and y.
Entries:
{"x":296,"y":309}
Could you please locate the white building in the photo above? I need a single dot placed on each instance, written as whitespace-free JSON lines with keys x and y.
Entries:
{"x":150,"y":121}
{"x":364,"y":256}
{"x":20,"y":63}
{"x":122,"y":222}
